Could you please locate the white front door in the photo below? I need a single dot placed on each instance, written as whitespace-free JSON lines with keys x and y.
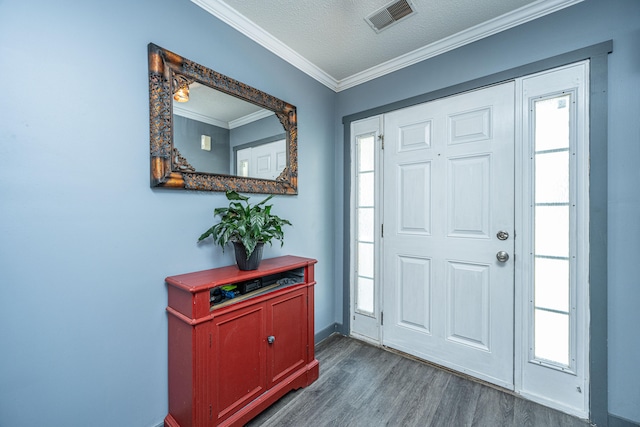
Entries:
{"x":265,"y":161}
{"x":448,"y":212}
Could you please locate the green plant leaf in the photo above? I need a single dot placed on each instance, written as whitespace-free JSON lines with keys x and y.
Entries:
{"x":265,"y":200}
{"x":206,"y":234}
{"x":246,"y":223}
{"x":232,"y":195}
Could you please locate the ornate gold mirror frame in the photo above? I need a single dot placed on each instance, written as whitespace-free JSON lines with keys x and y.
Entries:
{"x":168,"y":72}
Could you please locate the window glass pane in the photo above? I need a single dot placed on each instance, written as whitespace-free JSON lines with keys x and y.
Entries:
{"x":552,"y":177}
{"x":365,"y":189}
{"x":365,"y":259}
{"x":552,"y":284}
{"x":364,"y":296}
{"x":243,"y":170}
{"x":552,"y":230}
{"x":552,"y":123}
{"x":365,"y":224}
{"x":552,"y":337}
{"x":365,"y":153}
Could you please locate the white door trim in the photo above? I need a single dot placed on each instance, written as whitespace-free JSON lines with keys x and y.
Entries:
{"x":366,"y":326}
{"x":564,"y":389}
{"x":599,"y":54}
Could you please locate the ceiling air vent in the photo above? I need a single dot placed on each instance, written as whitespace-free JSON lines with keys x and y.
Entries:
{"x":390,"y":14}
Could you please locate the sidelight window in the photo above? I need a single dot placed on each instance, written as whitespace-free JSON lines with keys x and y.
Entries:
{"x":554,"y":213}
{"x":365,"y":224}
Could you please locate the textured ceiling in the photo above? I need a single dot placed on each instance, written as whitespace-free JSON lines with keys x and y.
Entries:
{"x":333,"y":36}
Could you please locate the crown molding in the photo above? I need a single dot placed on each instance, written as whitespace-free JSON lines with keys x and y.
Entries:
{"x":241,"y":121}
{"x":184,"y":112}
{"x":230,"y":16}
{"x":250,"y":118}
{"x":504,"y":22}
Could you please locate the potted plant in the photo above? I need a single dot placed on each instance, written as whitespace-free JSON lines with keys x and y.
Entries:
{"x":248,"y":227}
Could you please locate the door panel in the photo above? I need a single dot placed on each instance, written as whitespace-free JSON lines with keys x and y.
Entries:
{"x":468,"y":304}
{"x":470,"y":126}
{"x":414,"y":136}
{"x":288,"y":350}
{"x":448,"y":191}
{"x":414,"y":207}
{"x":415,"y":293}
{"x":469,"y":192}
{"x":240,"y":367}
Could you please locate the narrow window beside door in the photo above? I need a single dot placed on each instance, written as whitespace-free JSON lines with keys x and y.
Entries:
{"x":552,"y":314}
{"x":365,"y":228}
{"x":554,"y":239}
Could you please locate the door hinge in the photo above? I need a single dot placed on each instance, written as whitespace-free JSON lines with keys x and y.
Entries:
{"x":381,"y":138}
{"x":381,"y":318}
{"x":210,"y":339}
{"x":381,"y":230}
{"x":210,"y":411}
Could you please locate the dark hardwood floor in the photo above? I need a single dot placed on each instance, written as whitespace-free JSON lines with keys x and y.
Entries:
{"x":362,"y":385}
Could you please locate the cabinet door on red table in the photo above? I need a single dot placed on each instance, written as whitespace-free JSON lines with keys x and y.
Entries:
{"x":240,"y":364}
{"x":288,"y":351}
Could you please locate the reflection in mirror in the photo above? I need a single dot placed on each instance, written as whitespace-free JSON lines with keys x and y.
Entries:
{"x":209,"y":128}
{"x":264,"y":159}
{"x":220,"y":134}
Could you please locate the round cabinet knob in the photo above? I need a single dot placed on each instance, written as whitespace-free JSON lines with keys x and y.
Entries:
{"x":502,"y":256}
{"x":271,"y":339}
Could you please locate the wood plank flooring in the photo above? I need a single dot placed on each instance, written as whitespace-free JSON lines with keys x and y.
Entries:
{"x":362,"y":385}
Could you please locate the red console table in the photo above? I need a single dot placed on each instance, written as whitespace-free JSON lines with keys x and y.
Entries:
{"x":229,"y":361}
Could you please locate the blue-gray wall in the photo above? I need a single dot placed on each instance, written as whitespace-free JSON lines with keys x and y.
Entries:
{"x":584,"y":24}
{"x":85,"y":244}
{"x":262,"y":129}
{"x":187,"y":135}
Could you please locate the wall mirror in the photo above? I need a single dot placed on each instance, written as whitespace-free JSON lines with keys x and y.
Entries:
{"x":213,"y":133}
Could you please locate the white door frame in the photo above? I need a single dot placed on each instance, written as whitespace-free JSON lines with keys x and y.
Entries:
{"x":364,"y":325}
{"x":597,"y":54}
{"x":563,"y":388}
